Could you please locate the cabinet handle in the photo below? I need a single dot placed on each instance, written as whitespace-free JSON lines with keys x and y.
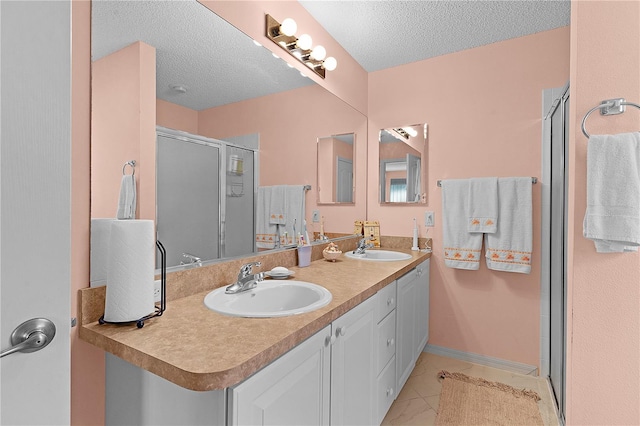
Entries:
{"x":329,"y":340}
{"x":389,"y":391}
{"x":341,"y":331}
{"x":390,"y":301}
{"x":390,"y":342}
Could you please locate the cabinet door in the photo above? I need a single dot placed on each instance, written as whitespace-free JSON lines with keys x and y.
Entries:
{"x":353,"y":375}
{"x":293,"y":390}
{"x":406,"y":327}
{"x":422,"y":306}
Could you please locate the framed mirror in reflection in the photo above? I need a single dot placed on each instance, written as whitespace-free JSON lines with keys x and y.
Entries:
{"x":336,"y":168}
{"x":179,"y":69}
{"x":402,"y":164}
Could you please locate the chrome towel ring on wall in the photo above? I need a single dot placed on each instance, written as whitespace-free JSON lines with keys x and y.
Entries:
{"x":131,"y":163}
{"x":608,"y":107}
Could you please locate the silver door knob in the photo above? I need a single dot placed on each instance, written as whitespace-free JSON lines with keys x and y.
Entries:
{"x":31,"y":336}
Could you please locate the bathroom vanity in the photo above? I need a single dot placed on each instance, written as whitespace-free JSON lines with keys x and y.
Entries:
{"x":342,"y":364}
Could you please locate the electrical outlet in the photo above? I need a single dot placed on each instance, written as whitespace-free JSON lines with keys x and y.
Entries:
{"x":316,"y":216}
{"x":157,"y":290}
{"x":429,"y":221}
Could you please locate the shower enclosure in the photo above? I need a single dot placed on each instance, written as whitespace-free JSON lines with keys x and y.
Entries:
{"x":205,"y":191}
{"x":554,"y":240}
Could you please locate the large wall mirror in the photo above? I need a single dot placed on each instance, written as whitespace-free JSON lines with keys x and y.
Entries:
{"x":336,"y":169}
{"x":177,"y":70}
{"x":402,"y":163}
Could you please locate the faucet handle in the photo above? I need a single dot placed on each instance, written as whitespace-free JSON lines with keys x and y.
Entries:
{"x":247,"y":268}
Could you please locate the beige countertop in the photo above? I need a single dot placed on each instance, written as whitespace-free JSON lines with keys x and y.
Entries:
{"x":200,"y":349}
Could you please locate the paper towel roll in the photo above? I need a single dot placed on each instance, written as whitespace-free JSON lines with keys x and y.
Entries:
{"x":100,"y":231}
{"x":130,"y":271}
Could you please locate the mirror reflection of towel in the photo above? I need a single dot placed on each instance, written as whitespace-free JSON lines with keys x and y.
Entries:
{"x":127,"y":199}
{"x":266,"y":232}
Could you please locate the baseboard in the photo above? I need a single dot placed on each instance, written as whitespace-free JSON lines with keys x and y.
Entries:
{"x":502,"y":364}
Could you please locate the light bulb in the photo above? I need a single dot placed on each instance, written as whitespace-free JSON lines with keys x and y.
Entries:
{"x":330,"y":63}
{"x":411,"y":131}
{"x":288,"y":27}
{"x":304,"y":42}
{"x":256,"y":43}
{"x":318,"y":53}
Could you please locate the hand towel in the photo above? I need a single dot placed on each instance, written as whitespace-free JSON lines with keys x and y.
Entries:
{"x":483,"y":205}
{"x":509,"y":248}
{"x":612,"y":218}
{"x":461,"y":248}
{"x":266,"y":232}
{"x":278,"y":205}
{"x":294,"y":213}
{"x":127,"y":199}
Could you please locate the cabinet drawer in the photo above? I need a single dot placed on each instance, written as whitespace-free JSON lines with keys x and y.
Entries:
{"x":386,"y":340}
{"x":386,"y":301}
{"x":386,"y":389}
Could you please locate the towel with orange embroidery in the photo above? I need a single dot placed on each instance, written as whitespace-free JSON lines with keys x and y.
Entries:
{"x":509,"y":248}
{"x":277,"y":205}
{"x":483,"y":205}
{"x":462,"y":249}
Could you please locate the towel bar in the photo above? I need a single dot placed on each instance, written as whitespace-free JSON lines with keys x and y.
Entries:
{"x":534,"y":180}
{"x":607,"y":107}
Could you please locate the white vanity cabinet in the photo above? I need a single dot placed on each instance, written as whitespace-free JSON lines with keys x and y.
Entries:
{"x":348,"y":373}
{"x":353,"y":364}
{"x":386,"y":350}
{"x":337,"y":364}
{"x":293,"y":390}
{"x":412,"y":320}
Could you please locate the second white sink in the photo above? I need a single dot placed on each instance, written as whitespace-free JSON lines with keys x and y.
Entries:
{"x":270,"y":299}
{"x":379,"y":255}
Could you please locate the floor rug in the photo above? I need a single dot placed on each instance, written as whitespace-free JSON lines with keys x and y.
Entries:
{"x":468,"y":400}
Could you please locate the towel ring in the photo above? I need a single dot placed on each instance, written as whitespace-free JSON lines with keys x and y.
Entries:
{"x":131,"y":163}
{"x":608,"y":107}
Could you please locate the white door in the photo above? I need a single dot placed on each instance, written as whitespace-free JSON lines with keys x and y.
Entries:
{"x":35,"y":178}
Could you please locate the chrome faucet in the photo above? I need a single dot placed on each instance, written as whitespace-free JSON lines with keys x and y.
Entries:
{"x":190,"y":259}
{"x":362,"y":246}
{"x":246,"y":279}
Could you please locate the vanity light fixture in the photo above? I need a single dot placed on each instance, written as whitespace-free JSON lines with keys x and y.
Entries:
{"x":299,"y":47}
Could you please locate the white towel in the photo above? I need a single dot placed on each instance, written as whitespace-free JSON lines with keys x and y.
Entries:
{"x":294,"y":212}
{"x":461,"y":248}
{"x":612,"y":219}
{"x":266,"y":232}
{"x":127,"y":199}
{"x":483,"y":205}
{"x":278,"y":205}
{"x":509,"y":248}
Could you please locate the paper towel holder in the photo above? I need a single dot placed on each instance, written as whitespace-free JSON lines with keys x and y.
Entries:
{"x":162,"y":305}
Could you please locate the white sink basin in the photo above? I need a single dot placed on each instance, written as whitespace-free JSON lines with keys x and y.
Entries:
{"x":270,"y":299}
{"x":379,"y":255}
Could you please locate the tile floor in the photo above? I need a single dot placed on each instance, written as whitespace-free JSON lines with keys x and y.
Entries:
{"x":418,"y":402}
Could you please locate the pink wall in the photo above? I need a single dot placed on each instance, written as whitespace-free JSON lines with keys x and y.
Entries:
{"x":176,"y":117}
{"x":483,"y":108}
{"x":348,"y":80}
{"x":290,"y":124}
{"x":87,"y":361}
{"x":604,"y":289}
{"x":123,"y":124}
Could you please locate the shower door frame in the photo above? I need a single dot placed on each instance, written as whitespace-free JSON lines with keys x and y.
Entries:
{"x":554,"y":245}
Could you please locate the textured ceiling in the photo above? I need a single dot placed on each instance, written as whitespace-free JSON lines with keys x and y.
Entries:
{"x":218,"y":64}
{"x":384,"y":34}
{"x":195,"y":48}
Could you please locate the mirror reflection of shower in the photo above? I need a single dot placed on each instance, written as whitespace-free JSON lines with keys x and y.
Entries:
{"x":205,"y":190}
